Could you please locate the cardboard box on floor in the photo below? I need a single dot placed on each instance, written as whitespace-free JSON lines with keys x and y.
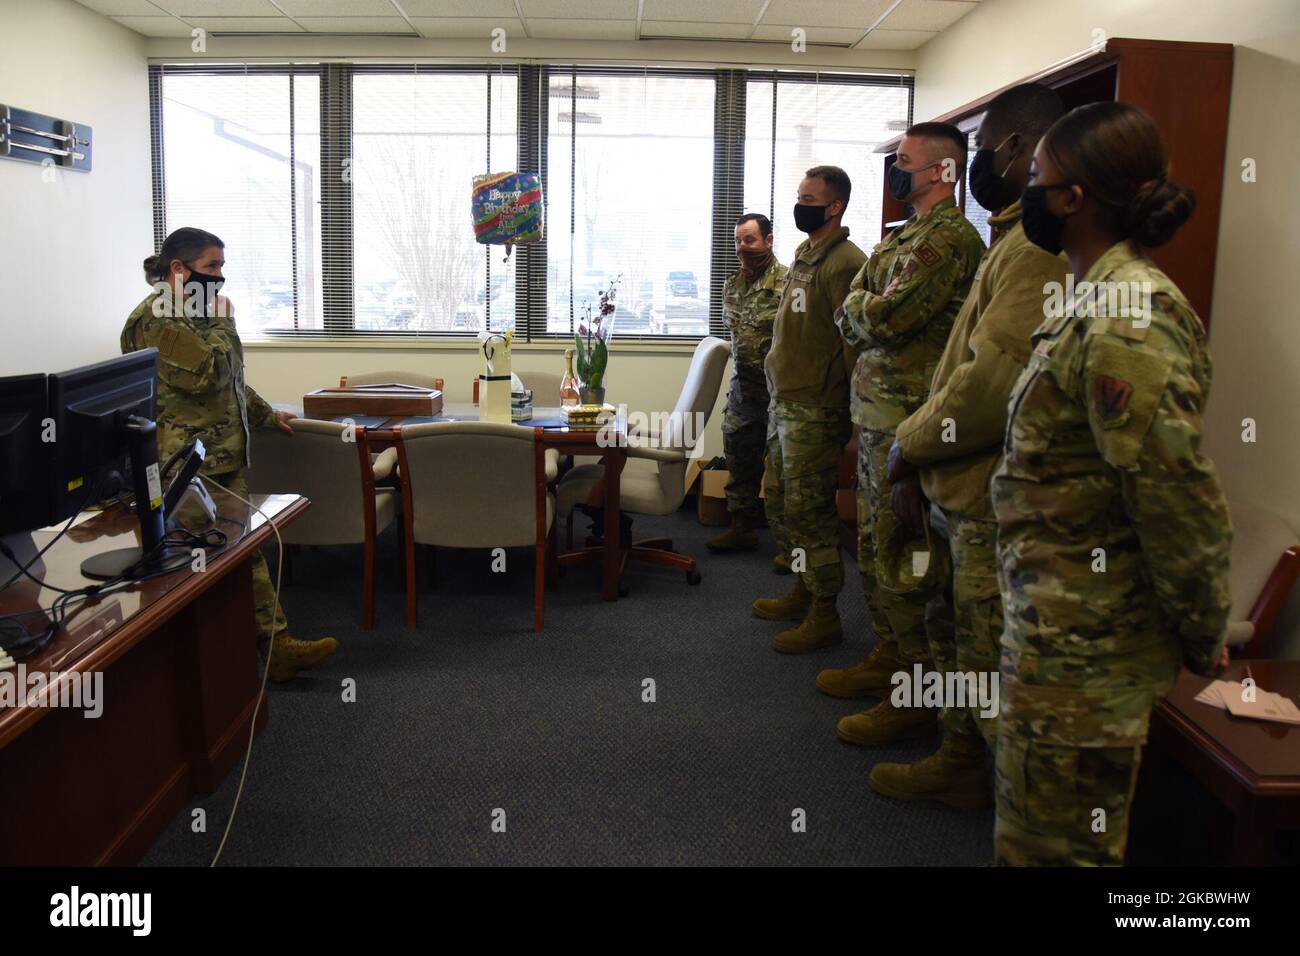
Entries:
{"x":710,"y":486}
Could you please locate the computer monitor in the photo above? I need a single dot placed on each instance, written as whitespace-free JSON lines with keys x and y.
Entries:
{"x":103,"y":416}
{"x":24,"y":455}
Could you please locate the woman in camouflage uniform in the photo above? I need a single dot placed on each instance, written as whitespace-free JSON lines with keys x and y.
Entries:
{"x":202,"y":394}
{"x":1113,"y":532}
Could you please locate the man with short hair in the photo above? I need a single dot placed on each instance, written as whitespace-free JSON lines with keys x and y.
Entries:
{"x":808,"y":426}
{"x":749,"y":300}
{"x":897,"y":317}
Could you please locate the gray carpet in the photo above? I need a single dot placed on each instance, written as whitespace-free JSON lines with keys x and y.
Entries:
{"x":473,"y":711}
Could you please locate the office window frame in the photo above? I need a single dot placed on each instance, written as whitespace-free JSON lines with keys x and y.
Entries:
{"x":337,"y":210}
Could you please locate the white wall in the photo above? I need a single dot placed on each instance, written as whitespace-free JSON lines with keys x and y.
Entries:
{"x":1255,"y":331}
{"x":70,"y":248}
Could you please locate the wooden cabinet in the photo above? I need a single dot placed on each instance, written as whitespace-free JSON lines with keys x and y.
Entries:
{"x":1186,"y":88}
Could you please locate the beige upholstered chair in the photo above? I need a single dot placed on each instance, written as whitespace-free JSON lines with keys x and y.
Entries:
{"x":1265,"y":565}
{"x":401,"y":378}
{"x":544,"y":385}
{"x":477,"y":485}
{"x":654,"y":479}
{"x":338,"y":475}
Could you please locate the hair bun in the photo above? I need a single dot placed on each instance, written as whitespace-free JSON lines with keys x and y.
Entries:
{"x":1157,"y":210}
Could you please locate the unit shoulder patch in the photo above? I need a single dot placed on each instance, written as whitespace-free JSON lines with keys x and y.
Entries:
{"x":1110,"y":396}
{"x":926,"y":253}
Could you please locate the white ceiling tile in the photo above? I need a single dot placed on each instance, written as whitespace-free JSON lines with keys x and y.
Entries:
{"x":338,"y":8}
{"x":459,"y":8}
{"x":356,"y":25}
{"x":826,"y":13}
{"x":880,"y":39}
{"x":703,"y":31}
{"x":155,"y":26}
{"x":122,"y":8}
{"x":548,"y":29}
{"x":467,"y":28}
{"x":720,"y":11}
{"x":219,"y":8}
{"x":927,"y":14}
{"x":246,"y":24}
{"x":841,"y":35}
{"x":580,"y":9}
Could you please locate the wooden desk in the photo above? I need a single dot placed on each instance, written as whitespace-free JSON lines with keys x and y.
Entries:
{"x":1252,"y":767}
{"x":180,"y":683}
{"x":566,"y":442}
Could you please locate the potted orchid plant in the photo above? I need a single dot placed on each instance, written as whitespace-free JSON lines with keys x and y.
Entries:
{"x":591,"y":343}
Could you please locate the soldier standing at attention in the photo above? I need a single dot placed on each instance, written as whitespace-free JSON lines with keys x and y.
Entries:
{"x":1113,"y":532}
{"x":749,"y":301}
{"x":808,"y":425}
{"x":201,"y":394}
{"x":955,"y":440}
{"x":897,"y":318}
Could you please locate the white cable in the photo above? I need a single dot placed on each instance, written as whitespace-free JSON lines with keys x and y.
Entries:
{"x":252,"y":726}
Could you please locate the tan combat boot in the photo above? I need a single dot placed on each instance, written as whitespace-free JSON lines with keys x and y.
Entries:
{"x":886,"y":724}
{"x":740,"y":536}
{"x":820,"y":628}
{"x":793,"y":607}
{"x":781,"y":564}
{"x":955,"y":775}
{"x":871,"y":678}
{"x":290,"y":655}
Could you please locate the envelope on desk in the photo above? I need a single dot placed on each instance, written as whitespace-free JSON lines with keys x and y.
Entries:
{"x":1230,"y":696}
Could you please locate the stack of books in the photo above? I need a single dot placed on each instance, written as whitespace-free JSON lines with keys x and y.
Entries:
{"x":588,"y":417}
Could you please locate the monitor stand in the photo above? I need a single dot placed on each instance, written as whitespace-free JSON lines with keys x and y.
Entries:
{"x":150,"y":557}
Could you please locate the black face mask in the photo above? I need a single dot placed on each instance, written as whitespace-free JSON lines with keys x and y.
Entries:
{"x":987,"y":185}
{"x":1042,"y":227}
{"x":211,"y":284}
{"x":809,"y":218}
{"x":900,"y":181}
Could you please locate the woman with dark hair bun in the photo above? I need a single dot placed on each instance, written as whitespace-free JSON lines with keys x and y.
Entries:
{"x":202,"y":394}
{"x":1113,"y":532}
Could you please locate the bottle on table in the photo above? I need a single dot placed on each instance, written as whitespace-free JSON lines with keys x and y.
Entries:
{"x":569,"y":384}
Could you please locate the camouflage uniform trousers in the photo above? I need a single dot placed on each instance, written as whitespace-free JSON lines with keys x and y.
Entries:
{"x":744,"y":440}
{"x":270,"y":619}
{"x":1048,"y":798}
{"x":905,"y":620}
{"x":972,"y":645}
{"x":804,"y":446}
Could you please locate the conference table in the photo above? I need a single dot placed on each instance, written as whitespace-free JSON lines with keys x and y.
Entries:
{"x":179,"y":689}
{"x":609,"y":444}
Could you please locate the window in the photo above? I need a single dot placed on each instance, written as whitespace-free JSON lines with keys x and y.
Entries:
{"x":418,"y":140}
{"x":631,"y":179}
{"x":795,"y":122}
{"x":343,"y":190}
{"x":242,"y":160}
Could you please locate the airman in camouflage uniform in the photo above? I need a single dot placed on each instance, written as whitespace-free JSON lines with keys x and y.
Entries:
{"x":808,"y":425}
{"x":897,"y":317}
{"x":202,"y":394}
{"x":1113,"y":538}
{"x":749,"y":300}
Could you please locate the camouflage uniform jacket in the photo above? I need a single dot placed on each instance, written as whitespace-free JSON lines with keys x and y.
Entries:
{"x":749,"y":312}
{"x":956,"y":436}
{"x":201,"y":390}
{"x":1102,"y":464}
{"x":807,"y":364}
{"x":900,"y":309}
